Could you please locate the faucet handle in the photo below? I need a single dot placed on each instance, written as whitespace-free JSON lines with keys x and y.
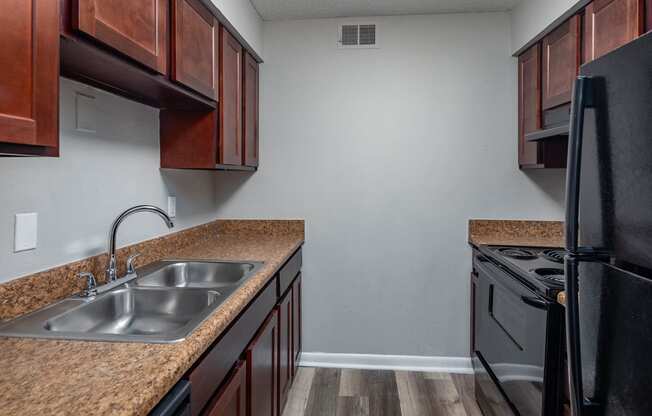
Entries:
{"x":91,"y":284}
{"x":130,"y":263}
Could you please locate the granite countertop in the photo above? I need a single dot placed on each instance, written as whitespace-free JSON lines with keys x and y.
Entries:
{"x":102,"y":378}
{"x":523,"y":233}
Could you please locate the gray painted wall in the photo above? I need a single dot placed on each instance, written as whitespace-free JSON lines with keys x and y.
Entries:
{"x":97,"y":176}
{"x":387,"y":153}
{"x":531,"y":17}
{"x":244,"y":17}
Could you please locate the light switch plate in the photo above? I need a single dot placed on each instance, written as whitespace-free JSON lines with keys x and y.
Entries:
{"x":172,"y":206}
{"x":25,"y":232}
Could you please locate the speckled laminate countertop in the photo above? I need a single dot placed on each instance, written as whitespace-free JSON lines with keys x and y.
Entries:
{"x":516,"y":233}
{"x":45,"y":377}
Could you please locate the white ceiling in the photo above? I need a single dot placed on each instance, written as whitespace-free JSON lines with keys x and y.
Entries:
{"x":309,"y":9}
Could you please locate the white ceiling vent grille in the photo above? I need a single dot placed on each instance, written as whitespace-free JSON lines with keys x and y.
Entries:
{"x":358,"y":36}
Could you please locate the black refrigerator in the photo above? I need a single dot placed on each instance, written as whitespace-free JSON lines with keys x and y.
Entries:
{"x":609,"y":234}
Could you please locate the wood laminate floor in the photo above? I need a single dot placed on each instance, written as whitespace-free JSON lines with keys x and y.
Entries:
{"x":335,"y":392}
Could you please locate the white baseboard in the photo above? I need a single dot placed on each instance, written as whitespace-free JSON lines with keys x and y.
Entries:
{"x":458,"y":365}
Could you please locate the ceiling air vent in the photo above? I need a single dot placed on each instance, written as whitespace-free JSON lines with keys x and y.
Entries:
{"x":358,"y":36}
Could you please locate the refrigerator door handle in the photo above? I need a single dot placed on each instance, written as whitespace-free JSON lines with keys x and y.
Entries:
{"x":582,"y":99}
{"x":573,"y":338}
{"x":580,"y":406}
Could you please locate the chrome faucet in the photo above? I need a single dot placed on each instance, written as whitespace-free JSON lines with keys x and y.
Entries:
{"x":111,"y":271}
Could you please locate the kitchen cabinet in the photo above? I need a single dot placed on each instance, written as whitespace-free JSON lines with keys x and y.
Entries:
{"x":296,"y":324}
{"x":548,"y":153}
{"x":529,"y":104}
{"x":561,"y":62}
{"x":262,"y":366}
{"x":195,"y":47}
{"x":209,"y":372}
{"x":29,"y":85}
{"x":258,"y":344}
{"x":230,"y":100}
{"x":648,"y":15}
{"x":286,"y":362}
{"x":213,"y":139}
{"x":123,"y":47}
{"x":250,"y":110}
{"x":609,"y":24}
{"x":231,"y":400}
{"x":136,"y":28}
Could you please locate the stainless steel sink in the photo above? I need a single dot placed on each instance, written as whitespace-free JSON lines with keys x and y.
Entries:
{"x":165,"y":304}
{"x":137,"y":311}
{"x":196,"y":274}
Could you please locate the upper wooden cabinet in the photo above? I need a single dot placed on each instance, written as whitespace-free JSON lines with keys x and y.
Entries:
{"x":230,"y":100}
{"x":529,"y":103}
{"x":609,"y":24}
{"x":561,"y":61}
{"x":29,"y":84}
{"x":250,"y":110}
{"x":137,"y":28}
{"x":195,"y":47}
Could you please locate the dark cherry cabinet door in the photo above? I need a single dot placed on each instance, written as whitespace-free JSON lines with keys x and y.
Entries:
{"x":296,"y":324}
{"x":230,"y":100}
{"x":529,"y":104}
{"x":609,"y":24}
{"x":648,"y":15}
{"x":195,"y":49}
{"x":136,"y":28}
{"x":250,"y":110}
{"x":561,"y":61}
{"x":262,"y":370}
{"x":231,"y":399}
{"x":285,"y":348}
{"x":29,"y":80}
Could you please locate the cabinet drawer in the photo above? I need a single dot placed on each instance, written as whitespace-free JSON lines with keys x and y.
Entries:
{"x":211,"y":370}
{"x":289,"y":271}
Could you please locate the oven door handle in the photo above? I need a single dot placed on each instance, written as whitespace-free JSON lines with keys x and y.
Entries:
{"x":535,"y":302}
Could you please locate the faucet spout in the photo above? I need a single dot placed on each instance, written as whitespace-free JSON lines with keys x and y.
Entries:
{"x":111,"y":273}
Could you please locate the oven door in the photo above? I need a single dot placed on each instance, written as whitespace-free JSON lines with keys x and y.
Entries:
{"x":511,"y":334}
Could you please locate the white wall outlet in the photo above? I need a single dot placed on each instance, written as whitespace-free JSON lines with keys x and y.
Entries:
{"x":26,"y":232}
{"x":172,"y":206}
{"x":86,"y":113}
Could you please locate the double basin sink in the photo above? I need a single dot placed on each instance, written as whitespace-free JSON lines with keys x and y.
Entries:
{"x":166,"y":302}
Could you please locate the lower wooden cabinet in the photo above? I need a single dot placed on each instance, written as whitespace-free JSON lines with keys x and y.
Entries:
{"x":249,"y":370}
{"x":262,"y":369}
{"x":231,"y":399}
{"x":296,"y":324}
{"x":286,"y":359}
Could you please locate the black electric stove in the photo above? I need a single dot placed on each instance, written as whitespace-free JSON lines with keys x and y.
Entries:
{"x":542,"y":269}
{"x":518,"y":330}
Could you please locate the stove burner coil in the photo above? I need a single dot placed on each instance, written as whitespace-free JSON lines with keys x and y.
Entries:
{"x":555,"y":276}
{"x":517,"y":253}
{"x":554,"y":255}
